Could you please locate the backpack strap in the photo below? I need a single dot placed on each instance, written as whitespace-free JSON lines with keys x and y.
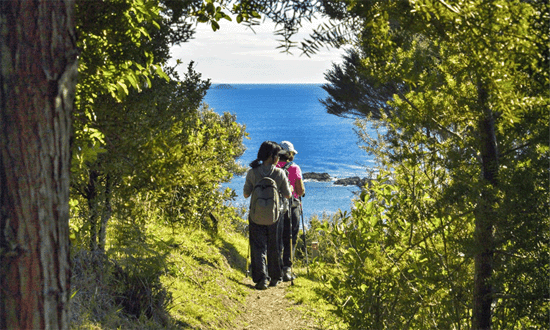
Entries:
{"x":287,"y":165}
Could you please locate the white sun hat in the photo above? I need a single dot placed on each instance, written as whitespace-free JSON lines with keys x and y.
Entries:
{"x":288,"y":147}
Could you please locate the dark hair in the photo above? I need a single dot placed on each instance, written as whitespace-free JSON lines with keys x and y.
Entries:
{"x":267,"y":149}
{"x":285,"y":156}
{"x":288,"y":156}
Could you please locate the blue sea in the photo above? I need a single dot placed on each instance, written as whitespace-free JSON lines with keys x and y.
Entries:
{"x":292,"y":112}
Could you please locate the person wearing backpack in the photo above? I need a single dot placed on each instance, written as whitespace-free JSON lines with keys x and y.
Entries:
{"x":291,"y":223}
{"x":267,"y":186}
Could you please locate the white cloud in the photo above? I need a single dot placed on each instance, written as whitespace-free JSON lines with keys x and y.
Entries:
{"x":235,"y":54}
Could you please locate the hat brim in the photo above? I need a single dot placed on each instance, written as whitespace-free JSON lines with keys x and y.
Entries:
{"x":288,"y":152}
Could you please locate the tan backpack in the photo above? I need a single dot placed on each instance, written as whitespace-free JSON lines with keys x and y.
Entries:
{"x":266,"y":202}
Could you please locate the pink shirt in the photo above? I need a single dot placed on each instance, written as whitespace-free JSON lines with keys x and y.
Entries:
{"x":294,"y":173}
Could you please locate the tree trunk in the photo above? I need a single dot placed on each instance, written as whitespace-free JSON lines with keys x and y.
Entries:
{"x":92,"y":196}
{"x":485,"y":217}
{"x":37,"y":82}
{"x":105,"y":216}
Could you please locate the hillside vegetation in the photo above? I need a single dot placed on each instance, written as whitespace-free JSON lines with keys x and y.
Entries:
{"x":189,"y":279}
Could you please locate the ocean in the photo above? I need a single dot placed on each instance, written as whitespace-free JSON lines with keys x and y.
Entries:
{"x":292,"y":112}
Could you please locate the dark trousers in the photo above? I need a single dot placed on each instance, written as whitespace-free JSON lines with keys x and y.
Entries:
{"x":291,"y":218}
{"x":264,"y":244}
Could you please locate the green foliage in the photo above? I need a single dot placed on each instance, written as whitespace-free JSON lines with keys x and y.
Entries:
{"x":463,"y":140}
{"x":189,"y":174}
{"x":352,"y":93}
{"x":400,"y":264}
{"x":165,"y":147}
{"x":210,"y":13}
{"x":318,"y":230}
{"x":138,"y":289}
{"x":307,"y":293}
{"x":117,"y":52}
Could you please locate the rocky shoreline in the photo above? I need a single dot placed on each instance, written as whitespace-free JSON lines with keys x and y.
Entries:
{"x":325,"y":177}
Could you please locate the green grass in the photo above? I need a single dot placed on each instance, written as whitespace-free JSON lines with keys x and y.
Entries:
{"x":201,"y":279}
{"x":206,"y":279}
{"x":305,"y":292}
{"x":202,"y":275}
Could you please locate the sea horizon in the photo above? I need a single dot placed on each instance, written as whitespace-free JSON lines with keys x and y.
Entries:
{"x":213,"y":85}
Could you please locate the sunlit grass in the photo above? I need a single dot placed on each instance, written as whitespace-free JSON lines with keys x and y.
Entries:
{"x":206,"y":279}
{"x":306,"y":294}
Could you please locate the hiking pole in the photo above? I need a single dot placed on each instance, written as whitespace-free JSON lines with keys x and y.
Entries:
{"x":248,"y":259}
{"x":304,"y":231}
{"x":291,"y":249}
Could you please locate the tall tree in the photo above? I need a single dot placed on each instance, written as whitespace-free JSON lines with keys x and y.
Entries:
{"x":351,"y":93}
{"x":38,"y":71}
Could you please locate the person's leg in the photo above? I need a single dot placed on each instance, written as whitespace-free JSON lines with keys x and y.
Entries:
{"x":258,"y":252}
{"x":273,"y":255}
{"x":285,"y":241}
{"x":295,"y":219}
{"x":293,"y":227}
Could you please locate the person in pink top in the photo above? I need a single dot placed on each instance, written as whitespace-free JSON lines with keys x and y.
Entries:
{"x":291,"y":223}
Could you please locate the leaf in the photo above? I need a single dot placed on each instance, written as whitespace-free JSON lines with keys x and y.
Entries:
{"x":215,"y":26}
{"x":122,"y":89}
{"x":133,"y":81}
{"x":210,"y":8}
{"x":161,"y":73}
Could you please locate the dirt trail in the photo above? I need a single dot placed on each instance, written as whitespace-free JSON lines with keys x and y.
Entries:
{"x":270,"y":310}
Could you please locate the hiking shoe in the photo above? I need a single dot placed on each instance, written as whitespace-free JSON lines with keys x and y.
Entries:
{"x":262,"y":285}
{"x":274,"y":283}
{"x":288,"y":277}
{"x":287,"y":274}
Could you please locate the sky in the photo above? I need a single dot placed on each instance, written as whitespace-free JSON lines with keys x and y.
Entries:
{"x":235,"y":54}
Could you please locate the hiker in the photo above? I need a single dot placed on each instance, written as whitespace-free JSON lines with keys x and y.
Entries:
{"x":264,"y":238}
{"x":291,"y":218}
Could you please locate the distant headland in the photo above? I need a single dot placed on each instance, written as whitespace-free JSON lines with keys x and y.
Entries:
{"x":325,"y":177}
{"x":223,"y":86}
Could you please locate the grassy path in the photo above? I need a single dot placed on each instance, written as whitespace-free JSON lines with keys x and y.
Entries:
{"x":270,"y":310}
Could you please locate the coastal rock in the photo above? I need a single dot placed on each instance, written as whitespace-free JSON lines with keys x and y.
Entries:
{"x":316,"y":176}
{"x":353,"y":181}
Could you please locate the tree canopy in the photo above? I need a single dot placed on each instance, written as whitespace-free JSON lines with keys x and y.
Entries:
{"x":465,"y":135}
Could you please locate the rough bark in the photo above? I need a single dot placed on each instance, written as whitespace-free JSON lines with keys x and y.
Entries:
{"x":37,"y":81}
{"x":485,"y":217}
